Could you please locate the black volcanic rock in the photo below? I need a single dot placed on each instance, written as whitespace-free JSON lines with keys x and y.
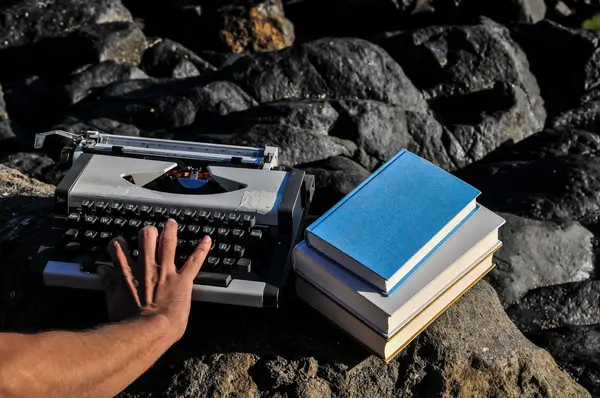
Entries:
{"x":105,"y":125}
{"x":122,"y":42}
{"x":552,"y":175}
{"x":301,"y":129}
{"x":478,"y":83}
{"x":35,"y":165}
{"x":166,"y":58}
{"x":29,"y":21}
{"x":362,"y":18}
{"x":453,"y":60}
{"x":477,"y":123}
{"x":35,"y":102}
{"x":90,"y":77}
{"x":583,"y":117}
{"x":577,"y":350}
{"x":565,"y":61}
{"x":153,"y":104}
{"x":570,"y":304}
{"x":335,"y":178}
{"x":325,"y":69}
{"x":381,"y":130}
{"x":5,"y":128}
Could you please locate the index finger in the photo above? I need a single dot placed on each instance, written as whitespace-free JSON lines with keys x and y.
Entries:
{"x":194,"y":262}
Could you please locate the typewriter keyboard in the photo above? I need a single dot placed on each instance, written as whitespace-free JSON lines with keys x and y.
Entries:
{"x":239,"y":249}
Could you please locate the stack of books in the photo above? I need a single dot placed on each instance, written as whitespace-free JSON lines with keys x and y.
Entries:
{"x":396,"y":252}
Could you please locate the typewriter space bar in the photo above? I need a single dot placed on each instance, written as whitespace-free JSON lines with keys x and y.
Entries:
{"x":212,"y":279}
{"x":238,"y":292}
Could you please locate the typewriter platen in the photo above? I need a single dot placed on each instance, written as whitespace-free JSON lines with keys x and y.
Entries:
{"x":116,"y":185}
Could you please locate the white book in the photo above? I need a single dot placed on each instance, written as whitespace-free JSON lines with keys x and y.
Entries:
{"x":388,"y":347}
{"x":469,"y":245}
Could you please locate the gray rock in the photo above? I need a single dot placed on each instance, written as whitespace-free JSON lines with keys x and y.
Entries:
{"x":122,"y":42}
{"x":540,"y":253}
{"x":96,"y":76}
{"x":362,"y":18}
{"x":584,"y":117}
{"x":29,"y":21}
{"x":35,"y":165}
{"x":335,"y":177}
{"x":326,"y":69}
{"x":479,"y":84}
{"x":564,"y":61}
{"x":477,"y":123}
{"x":577,"y":350}
{"x":381,"y":130}
{"x":552,"y":175}
{"x":296,"y":145}
{"x":453,"y":60}
{"x":569,"y":304}
{"x":151,"y":104}
{"x":105,"y":125}
{"x":166,"y":58}
{"x":5,"y":127}
{"x":472,"y":349}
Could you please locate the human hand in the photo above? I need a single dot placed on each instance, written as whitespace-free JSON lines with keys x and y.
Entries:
{"x":152,"y":286}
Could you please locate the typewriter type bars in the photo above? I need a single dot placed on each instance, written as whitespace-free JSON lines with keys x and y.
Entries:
{"x":116,"y":185}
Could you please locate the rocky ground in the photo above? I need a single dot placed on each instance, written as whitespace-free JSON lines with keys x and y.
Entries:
{"x":505,"y":94}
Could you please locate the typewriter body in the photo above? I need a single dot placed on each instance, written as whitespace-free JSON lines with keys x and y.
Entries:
{"x":116,"y":185}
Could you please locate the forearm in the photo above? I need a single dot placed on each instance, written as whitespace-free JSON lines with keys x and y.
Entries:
{"x":95,"y":363}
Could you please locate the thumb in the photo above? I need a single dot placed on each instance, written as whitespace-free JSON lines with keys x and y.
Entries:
{"x":108,"y":277}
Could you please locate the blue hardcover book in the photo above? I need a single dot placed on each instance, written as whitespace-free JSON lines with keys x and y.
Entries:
{"x":393,"y":220}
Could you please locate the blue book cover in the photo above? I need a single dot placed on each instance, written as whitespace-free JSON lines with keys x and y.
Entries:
{"x":393,"y":220}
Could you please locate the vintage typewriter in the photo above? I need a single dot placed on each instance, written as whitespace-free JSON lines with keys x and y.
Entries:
{"x":116,"y":185}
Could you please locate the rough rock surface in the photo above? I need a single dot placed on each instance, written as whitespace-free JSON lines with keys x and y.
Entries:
{"x":552,"y":175}
{"x":90,"y":77}
{"x":569,"y":304}
{"x":363,"y":17}
{"x":577,"y":350}
{"x":574,"y":58}
{"x":166,"y":58}
{"x":540,"y":253}
{"x":29,"y":21}
{"x":473,"y":349}
{"x":165,"y":104}
{"x":5,"y":128}
{"x":122,"y":42}
{"x":479,"y":81}
{"x":255,"y":27}
{"x":326,"y":68}
{"x":35,"y":165}
{"x":335,"y":177}
{"x":584,"y":117}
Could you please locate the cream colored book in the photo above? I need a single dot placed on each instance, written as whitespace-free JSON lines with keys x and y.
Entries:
{"x":388,"y":348}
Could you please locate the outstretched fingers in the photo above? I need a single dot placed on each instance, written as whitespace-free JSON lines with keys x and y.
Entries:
{"x":194,"y":262}
{"x":146,"y":266}
{"x":166,"y":249}
{"x":124,"y":264}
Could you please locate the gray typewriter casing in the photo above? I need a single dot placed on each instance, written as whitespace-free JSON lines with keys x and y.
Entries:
{"x":278,"y":199}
